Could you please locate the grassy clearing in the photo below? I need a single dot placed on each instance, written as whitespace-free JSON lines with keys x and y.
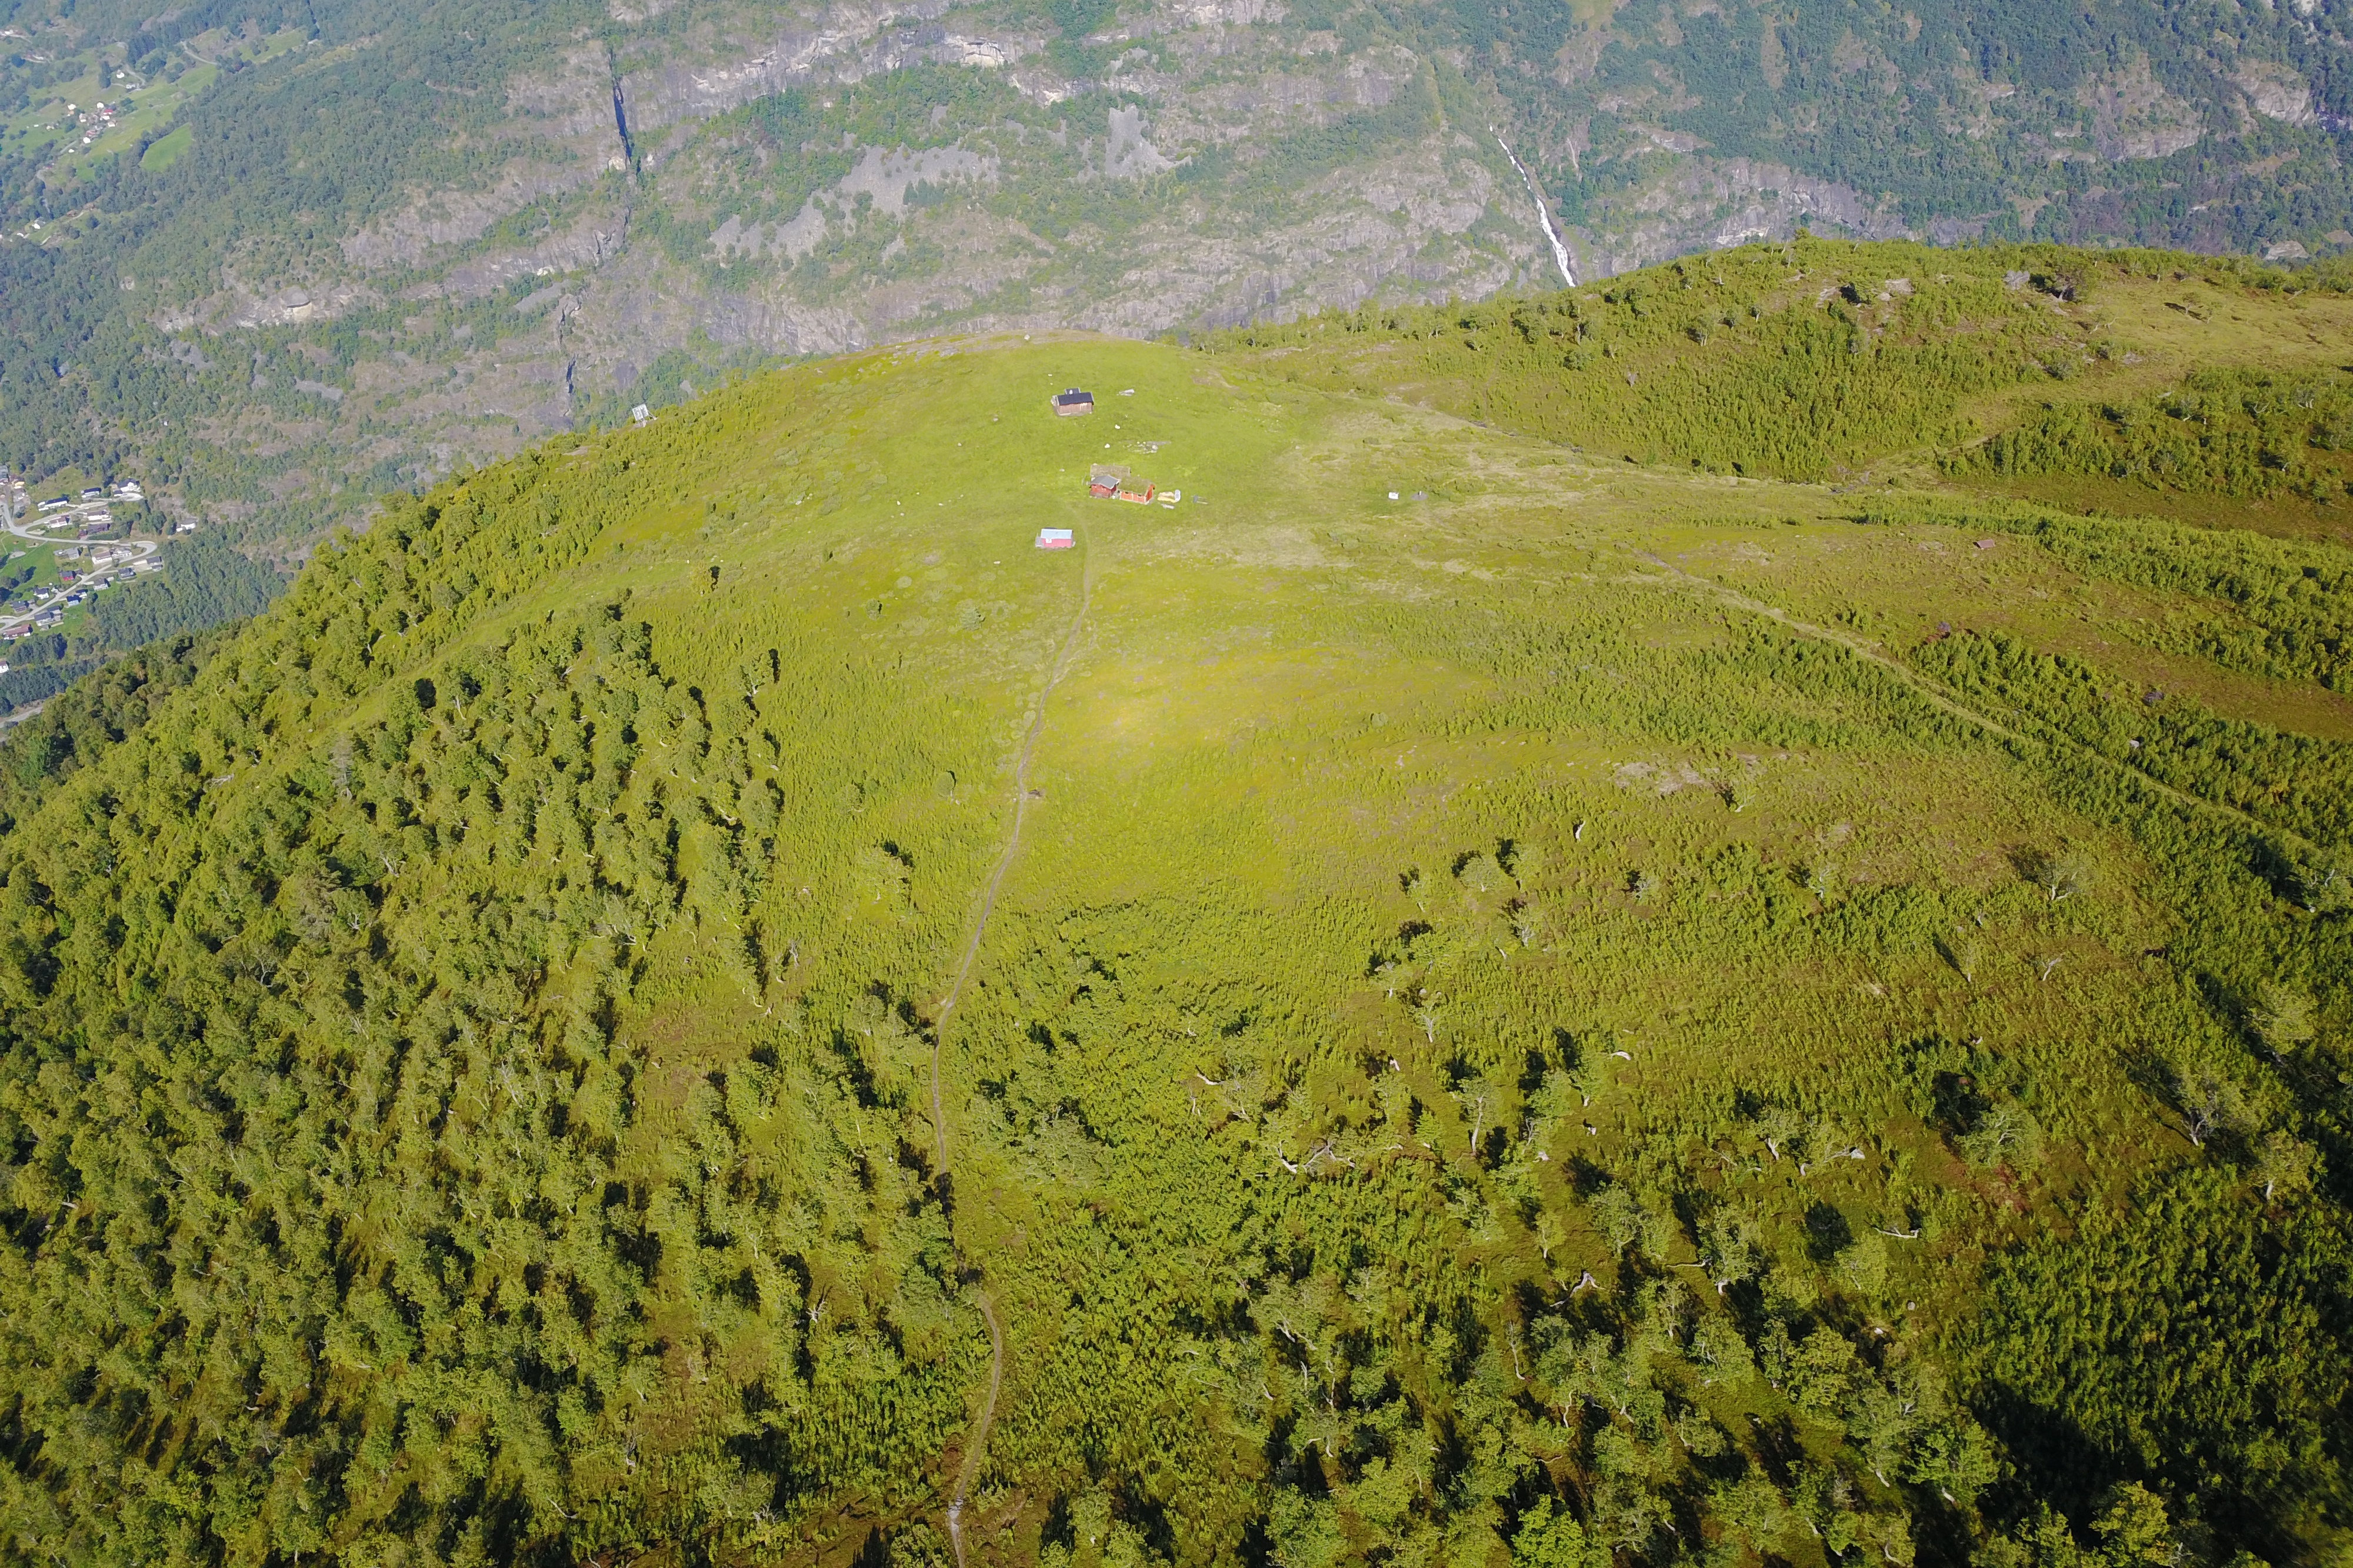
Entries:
{"x":165,"y":150}
{"x":1582,"y":1007}
{"x":52,"y":128}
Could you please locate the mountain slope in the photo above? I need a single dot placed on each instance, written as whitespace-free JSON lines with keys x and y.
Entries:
{"x":1586,"y":1012}
{"x":308,"y":255}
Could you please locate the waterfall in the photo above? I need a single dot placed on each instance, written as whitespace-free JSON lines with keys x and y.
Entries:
{"x":1544,"y":215}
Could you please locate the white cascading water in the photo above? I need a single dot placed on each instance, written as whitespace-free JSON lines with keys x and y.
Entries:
{"x":1544,"y":215}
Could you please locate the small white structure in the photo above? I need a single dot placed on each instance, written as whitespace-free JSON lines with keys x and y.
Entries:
{"x":640,"y":414}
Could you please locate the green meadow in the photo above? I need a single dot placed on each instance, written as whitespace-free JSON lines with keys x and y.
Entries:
{"x":1728,"y":978}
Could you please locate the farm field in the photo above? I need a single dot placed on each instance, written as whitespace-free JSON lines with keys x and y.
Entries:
{"x":52,"y":126}
{"x":1461,"y":994}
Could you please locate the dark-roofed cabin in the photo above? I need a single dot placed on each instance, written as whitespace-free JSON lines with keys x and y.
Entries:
{"x":1074,"y":401}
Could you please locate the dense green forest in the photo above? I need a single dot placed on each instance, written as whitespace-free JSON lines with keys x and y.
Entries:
{"x":691,"y":997}
{"x":204,"y":583}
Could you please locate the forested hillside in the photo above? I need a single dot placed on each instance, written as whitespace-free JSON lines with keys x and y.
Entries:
{"x":1436,"y":997}
{"x":204,"y":583}
{"x":276,"y":258}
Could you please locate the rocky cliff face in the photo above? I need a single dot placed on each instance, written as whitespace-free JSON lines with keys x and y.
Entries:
{"x":1218,"y":163}
{"x":674,"y":189}
{"x":1675,"y":126}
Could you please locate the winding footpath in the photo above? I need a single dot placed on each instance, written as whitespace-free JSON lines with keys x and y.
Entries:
{"x":969,"y":1469}
{"x":1944,"y":700}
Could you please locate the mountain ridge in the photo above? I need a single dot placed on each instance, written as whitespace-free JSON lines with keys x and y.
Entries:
{"x":1513,"y":1030}
{"x":447,"y":251}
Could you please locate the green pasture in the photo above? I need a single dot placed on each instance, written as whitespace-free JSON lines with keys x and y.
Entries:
{"x":165,"y":150}
{"x":146,"y":109}
{"x":1596,"y":1011}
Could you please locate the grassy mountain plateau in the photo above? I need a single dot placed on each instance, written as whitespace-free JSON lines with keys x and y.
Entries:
{"x":1704,"y":920}
{"x":276,"y":257}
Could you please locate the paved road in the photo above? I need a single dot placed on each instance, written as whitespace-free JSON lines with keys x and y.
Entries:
{"x":31,"y":526}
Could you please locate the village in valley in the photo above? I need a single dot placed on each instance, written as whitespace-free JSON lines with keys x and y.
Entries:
{"x":67,"y":550}
{"x":86,"y":102}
